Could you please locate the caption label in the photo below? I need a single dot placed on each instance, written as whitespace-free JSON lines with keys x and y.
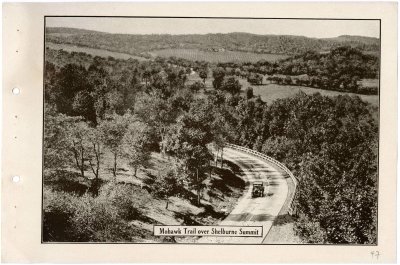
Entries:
{"x":237,"y":231}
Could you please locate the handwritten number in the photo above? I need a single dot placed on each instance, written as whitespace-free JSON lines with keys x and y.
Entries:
{"x":375,"y":254}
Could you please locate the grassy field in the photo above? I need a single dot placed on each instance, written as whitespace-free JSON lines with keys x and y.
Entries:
{"x":271,"y":92}
{"x":216,"y":57}
{"x":369,"y":82}
{"x":93,"y":52}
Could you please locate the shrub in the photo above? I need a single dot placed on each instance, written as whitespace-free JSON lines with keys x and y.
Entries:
{"x":196,"y":86}
{"x":68,"y":217}
{"x":368,"y":90}
{"x":127,"y":199}
{"x":96,"y":219}
{"x":231,"y":85}
{"x":310,"y":230}
{"x":57,"y":211}
{"x":249,"y":92}
{"x":167,"y":183}
{"x":255,"y":79}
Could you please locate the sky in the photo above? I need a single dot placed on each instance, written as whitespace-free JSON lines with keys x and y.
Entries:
{"x":308,"y":28}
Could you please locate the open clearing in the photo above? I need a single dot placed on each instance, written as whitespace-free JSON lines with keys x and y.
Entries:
{"x":92,"y":51}
{"x":218,"y":57}
{"x":369,"y":82}
{"x":271,"y":92}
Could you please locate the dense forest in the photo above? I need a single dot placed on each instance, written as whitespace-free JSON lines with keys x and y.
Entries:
{"x":103,"y":108}
{"x":331,"y":146}
{"x":275,"y":44}
{"x":341,"y":69}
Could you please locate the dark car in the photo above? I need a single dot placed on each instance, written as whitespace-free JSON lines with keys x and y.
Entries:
{"x":258,"y":189}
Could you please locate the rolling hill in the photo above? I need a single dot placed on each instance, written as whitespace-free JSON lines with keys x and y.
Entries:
{"x":237,"y":41}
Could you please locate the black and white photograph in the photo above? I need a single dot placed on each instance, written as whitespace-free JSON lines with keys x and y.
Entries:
{"x":210,"y":130}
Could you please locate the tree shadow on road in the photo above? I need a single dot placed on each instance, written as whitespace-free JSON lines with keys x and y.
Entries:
{"x":250,"y":217}
{"x":279,"y":220}
{"x":233,"y":167}
{"x":227,"y":180}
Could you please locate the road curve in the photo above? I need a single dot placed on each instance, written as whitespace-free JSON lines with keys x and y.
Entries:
{"x":250,"y":211}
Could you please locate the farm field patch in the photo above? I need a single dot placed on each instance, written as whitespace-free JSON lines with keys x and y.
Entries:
{"x":92,"y":51}
{"x":369,"y":82}
{"x":271,"y":92}
{"x":217,"y":57}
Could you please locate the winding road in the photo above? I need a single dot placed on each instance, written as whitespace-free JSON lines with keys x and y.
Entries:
{"x":249,"y":211}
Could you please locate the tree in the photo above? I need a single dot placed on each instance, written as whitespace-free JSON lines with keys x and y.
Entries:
{"x":238,"y":72}
{"x":203,"y":74}
{"x":125,"y":89}
{"x":78,"y":137}
{"x":287,"y":80}
{"x":219,"y":145}
{"x":50,"y":72}
{"x":198,"y":167}
{"x":113,"y":129}
{"x":196,"y":86}
{"x":68,"y":81}
{"x":100,"y":84}
{"x":158,"y":113}
{"x":95,"y":139}
{"x":83,"y":105}
{"x":167,"y":184}
{"x":231,"y":85}
{"x":115,"y":102}
{"x":221,"y":129}
{"x":146,"y":76}
{"x":160,"y":87}
{"x":218,"y":75}
{"x":249,"y":92}
{"x":176,"y":78}
{"x":56,"y":141}
{"x":135,"y":145}
{"x":182,"y":77}
{"x":255,"y":79}
{"x":187,"y":140}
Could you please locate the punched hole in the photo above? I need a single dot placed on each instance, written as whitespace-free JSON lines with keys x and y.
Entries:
{"x":16,"y":91}
{"x":16,"y":179}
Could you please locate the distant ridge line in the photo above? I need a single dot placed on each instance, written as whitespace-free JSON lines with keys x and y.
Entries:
{"x":89,"y":31}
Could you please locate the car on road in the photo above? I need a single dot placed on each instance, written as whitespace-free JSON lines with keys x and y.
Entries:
{"x":258,"y":189}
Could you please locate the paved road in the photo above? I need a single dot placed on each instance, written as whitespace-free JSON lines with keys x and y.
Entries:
{"x":250,"y":211}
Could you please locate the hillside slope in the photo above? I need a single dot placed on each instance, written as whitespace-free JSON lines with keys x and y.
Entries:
{"x":238,"y":41}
